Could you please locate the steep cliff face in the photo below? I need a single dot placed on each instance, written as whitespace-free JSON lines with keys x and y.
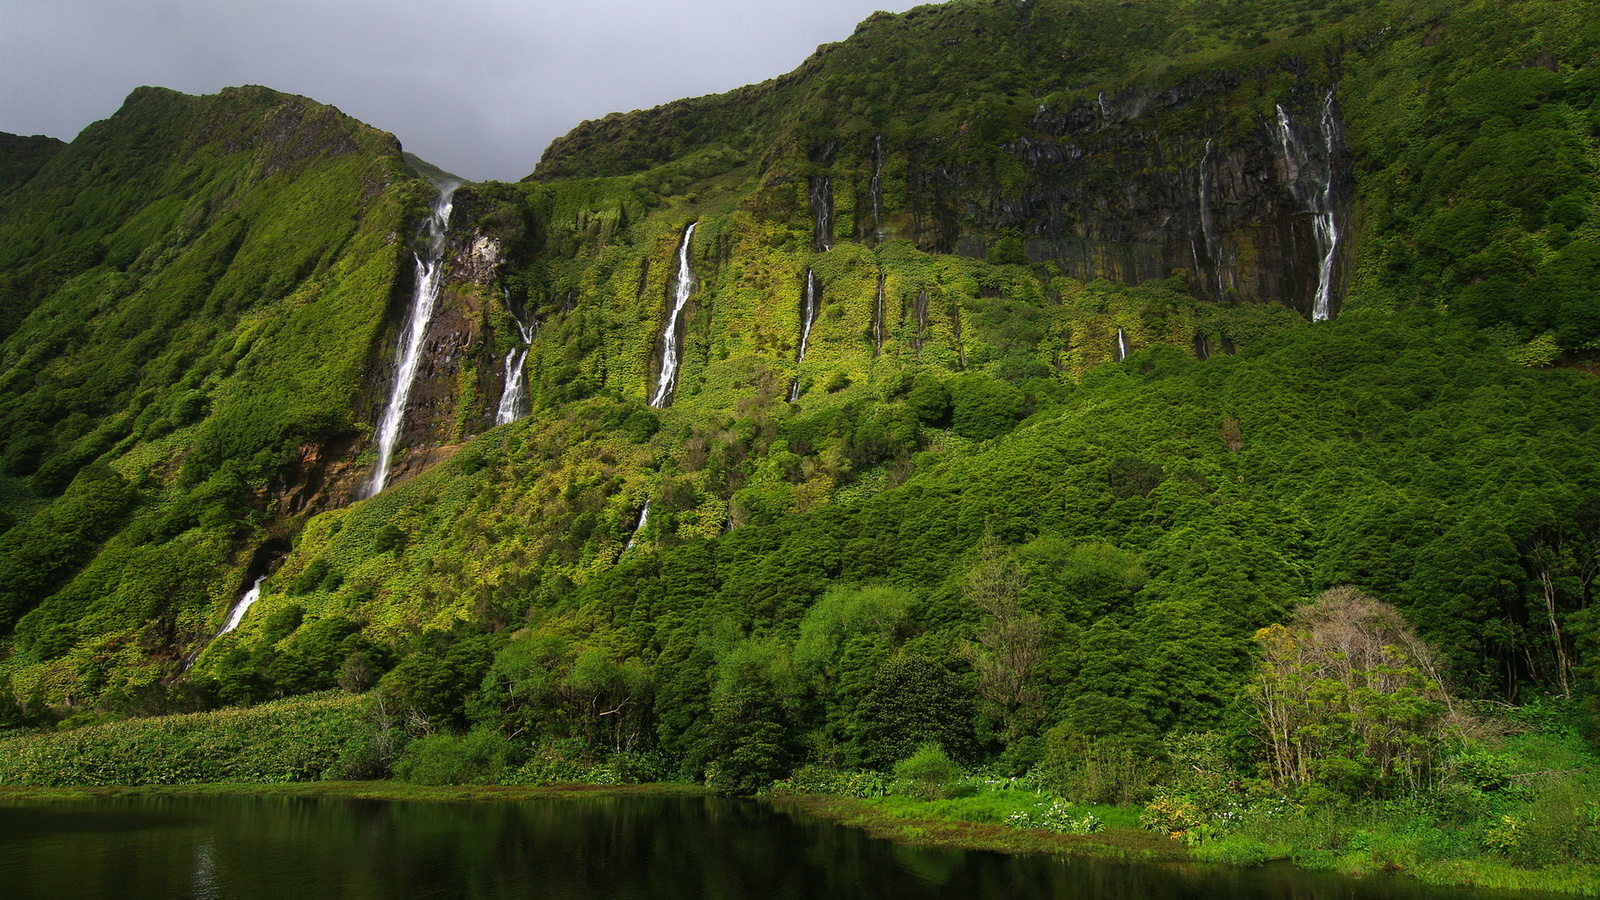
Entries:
{"x":1133,"y":187}
{"x":956,"y":127}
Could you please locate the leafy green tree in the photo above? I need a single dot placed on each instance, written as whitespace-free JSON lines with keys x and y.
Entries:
{"x":1347,"y":696}
{"x":914,"y":700}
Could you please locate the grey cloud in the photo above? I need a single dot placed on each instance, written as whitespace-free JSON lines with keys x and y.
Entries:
{"x":478,"y":88}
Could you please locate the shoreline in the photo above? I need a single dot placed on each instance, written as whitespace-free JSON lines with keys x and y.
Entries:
{"x":1133,"y":845}
{"x":1112,"y":844}
{"x":394,"y":791}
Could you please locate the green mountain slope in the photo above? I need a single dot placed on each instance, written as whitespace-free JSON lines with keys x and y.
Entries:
{"x":994,"y":412}
{"x":194,"y":291}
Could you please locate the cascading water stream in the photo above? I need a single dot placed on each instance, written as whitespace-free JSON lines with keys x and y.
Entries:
{"x":809,"y":301}
{"x":235,"y":616}
{"x":672,"y":335}
{"x":922,"y":319}
{"x":1122,"y":344}
{"x":822,"y":212}
{"x":1207,"y":220}
{"x":877,"y":319}
{"x":430,"y":272}
{"x":243,"y":606}
{"x":644,"y":519}
{"x":875,"y":187}
{"x":514,"y":396}
{"x":1311,"y":181}
{"x":955,"y":333}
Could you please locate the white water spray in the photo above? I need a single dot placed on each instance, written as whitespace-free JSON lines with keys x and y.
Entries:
{"x":875,"y":187}
{"x":1311,"y":182}
{"x":1122,"y":344}
{"x":644,"y":519}
{"x":430,"y":278}
{"x":514,"y":396}
{"x":877,"y":319}
{"x":1207,"y":220}
{"x":671,"y":336}
{"x":822,"y":212}
{"x":243,"y":606}
{"x":808,"y":315}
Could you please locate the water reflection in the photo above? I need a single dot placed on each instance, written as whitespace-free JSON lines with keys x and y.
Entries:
{"x":166,"y":847}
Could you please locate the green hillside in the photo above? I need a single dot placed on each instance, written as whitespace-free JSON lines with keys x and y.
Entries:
{"x":1062,"y":382}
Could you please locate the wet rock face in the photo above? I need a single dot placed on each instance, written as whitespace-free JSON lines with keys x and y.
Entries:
{"x":480,"y":260}
{"x":1139,"y":186}
{"x":457,"y":368}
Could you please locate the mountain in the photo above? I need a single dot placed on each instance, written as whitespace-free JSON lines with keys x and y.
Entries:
{"x":1069,"y":339}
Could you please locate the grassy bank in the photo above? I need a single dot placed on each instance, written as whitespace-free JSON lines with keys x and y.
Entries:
{"x":969,"y":826}
{"x":1356,"y":841}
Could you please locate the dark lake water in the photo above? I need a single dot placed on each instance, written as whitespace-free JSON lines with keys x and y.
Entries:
{"x":619,"y":847}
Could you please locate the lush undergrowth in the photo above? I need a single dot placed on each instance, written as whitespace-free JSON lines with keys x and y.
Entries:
{"x":300,"y":739}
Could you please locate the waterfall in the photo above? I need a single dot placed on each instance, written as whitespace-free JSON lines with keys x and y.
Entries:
{"x":514,"y":396}
{"x":1311,"y":182}
{"x":644,"y":519}
{"x":243,"y":606}
{"x":922,"y":319}
{"x":955,"y":333}
{"x":877,"y":319}
{"x":1122,"y":344}
{"x":875,"y":187}
{"x":1207,"y":226}
{"x":672,"y":334}
{"x":822,"y":212}
{"x":430,"y":272}
{"x":809,"y":302}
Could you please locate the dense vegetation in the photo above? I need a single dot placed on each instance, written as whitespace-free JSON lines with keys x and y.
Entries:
{"x":1024,"y":508}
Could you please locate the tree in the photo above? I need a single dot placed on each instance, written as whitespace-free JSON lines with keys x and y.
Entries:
{"x":1349,"y":697}
{"x":1010,"y":639}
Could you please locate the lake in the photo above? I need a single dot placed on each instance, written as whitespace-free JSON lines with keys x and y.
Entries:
{"x":660,"y":848}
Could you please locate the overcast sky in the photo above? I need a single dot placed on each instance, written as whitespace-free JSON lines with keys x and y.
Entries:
{"x":478,"y":87}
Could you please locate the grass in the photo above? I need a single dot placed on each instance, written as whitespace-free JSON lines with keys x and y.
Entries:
{"x":977,"y":823}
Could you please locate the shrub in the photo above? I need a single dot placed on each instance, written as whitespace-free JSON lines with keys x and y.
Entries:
{"x":927,"y":773}
{"x":478,"y":757}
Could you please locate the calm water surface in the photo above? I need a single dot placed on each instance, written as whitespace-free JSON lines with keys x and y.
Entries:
{"x":628,"y":847}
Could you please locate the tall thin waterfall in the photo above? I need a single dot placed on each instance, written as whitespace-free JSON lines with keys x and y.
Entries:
{"x":430,"y":272}
{"x":922,"y":319}
{"x":672,"y":334}
{"x":809,"y":301}
{"x":877,"y":319}
{"x":875,"y":187}
{"x":1207,"y":220}
{"x":822,"y":212}
{"x":1311,"y":177}
{"x":243,"y":606}
{"x":1122,"y":344}
{"x":955,"y":333}
{"x":514,"y":396}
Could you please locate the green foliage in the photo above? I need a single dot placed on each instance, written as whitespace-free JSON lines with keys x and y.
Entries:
{"x":303,"y":739}
{"x":927,"y":773}
{"x":477,"y":757}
